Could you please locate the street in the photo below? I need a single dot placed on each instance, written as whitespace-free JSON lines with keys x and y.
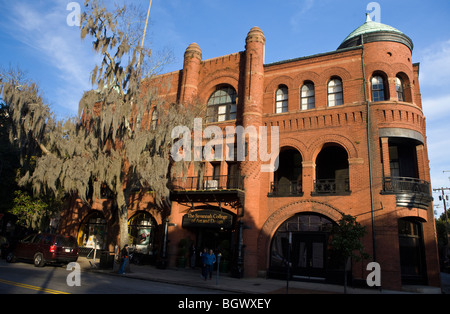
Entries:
{"x":24,"y":278}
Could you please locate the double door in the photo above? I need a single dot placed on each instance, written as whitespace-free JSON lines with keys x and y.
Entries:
{"x":308,"y":255}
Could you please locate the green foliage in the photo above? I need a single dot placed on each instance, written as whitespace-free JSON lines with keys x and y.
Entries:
{"x":346,"y":239}
{"x":108,"y":145}
{"x":29,"y":210}
{"x":441,"y":230}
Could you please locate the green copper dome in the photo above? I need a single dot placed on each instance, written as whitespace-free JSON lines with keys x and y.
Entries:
{"x":372,"y":31}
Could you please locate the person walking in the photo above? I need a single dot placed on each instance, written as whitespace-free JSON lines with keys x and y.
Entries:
{"x":204,"y":259}
{"x":124,"y":258}
{"x":193,"y":253}
{"x":210,"y":261}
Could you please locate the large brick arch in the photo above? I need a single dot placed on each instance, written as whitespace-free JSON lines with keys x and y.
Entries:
{"x":220,"y":77}
{"x":295,"y":143}
{"x":316,"y":145}
{"x":274,"y":221}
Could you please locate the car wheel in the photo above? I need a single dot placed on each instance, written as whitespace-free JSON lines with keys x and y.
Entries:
{"x":39,"y":260}
{"x":10,"y":258}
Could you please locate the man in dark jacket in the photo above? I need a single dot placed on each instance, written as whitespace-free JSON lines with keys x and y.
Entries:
{"x":124,"y":258}
{"x":210,"y":261}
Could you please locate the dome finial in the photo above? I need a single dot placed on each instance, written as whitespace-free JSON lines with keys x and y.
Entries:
{"x":368,"y":19}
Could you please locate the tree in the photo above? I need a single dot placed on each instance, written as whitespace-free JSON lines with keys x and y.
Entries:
{"x":346,"y":242}
{"x":110,"y":144}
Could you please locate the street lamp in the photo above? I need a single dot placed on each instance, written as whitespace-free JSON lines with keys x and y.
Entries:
{"x":163,"y":262}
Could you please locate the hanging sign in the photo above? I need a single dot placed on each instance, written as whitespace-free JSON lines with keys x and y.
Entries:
{"x":207,"y":219}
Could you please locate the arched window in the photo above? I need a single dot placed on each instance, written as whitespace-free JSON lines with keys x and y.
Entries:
{"x":399,"y":86}
{"x":222,"y":105}
{"x":378,"y":88}
{"x":308,"y":96}
{"x":281,"y":99}
{"x":92,"y":232}
{"x":335,"y":92}
{"x":332,"y":171}
{"x":141,"y":228}
{"x":288,"y":177}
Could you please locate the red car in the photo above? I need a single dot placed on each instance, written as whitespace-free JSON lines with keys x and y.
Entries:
{"x":45,"y":248}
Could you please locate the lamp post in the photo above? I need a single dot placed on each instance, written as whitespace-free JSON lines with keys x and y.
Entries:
{"x":218,"y":265}
{"x":288,"y":272}
{"x":163,"y":261}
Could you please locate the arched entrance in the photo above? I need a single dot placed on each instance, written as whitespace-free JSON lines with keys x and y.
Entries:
{"x":92,"y":233}
{"x":302,"y":242}
{"x":142,"y":228}
{"x":214,"y":229}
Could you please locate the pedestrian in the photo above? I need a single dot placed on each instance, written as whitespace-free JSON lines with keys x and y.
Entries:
{"x":192,"y":253}
{"x":210,"y":261}
{"x":124,"y":259}
{"x":204,"y":259}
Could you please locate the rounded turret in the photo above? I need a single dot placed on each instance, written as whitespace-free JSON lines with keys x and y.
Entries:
{"x":193,"y":50}
{"x":372,"y":31}
{"x":255,"y":35}
{"x":191,"y":69}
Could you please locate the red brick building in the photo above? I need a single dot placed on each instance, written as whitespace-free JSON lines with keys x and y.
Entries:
{"x":352,"y":140}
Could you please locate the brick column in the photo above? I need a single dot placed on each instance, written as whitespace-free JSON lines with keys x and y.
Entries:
{"x":385,"y":157}
{"x":191,"y":69}
{"x":252,"y":102}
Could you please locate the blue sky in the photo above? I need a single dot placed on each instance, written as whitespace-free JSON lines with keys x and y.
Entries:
{"x":34,"y":35}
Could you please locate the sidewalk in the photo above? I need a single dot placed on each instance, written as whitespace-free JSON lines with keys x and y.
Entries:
{"x":192,"y":278}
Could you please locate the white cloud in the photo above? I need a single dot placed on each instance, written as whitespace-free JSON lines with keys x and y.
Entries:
{"x":436,"y":108}
{"x":435,"y":65}
{"x":42,"y":26}
{"x":302,"y":8}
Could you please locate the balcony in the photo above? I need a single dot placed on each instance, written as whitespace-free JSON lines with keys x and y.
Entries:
{"x":331,"y":187}
{"x":410,"y":192}
{"x":225,"y":188}
{"x":208,"y":183}
{"x":285,"y":188}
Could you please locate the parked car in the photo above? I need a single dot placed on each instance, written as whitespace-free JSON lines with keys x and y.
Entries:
{"x":43,"y":248}
{"x":4,"y":245}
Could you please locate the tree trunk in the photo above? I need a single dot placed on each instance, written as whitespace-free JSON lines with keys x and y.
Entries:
{"x":123,"y":218}
{"x":123,"y":223}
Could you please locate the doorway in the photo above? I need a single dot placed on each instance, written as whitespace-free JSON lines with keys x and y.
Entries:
{"x":412,"y":252}
{"x":302,"y":242}
{"x":309,"y":255}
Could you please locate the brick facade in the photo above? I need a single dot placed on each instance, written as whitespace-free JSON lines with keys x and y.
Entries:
{"x":390,"y":130}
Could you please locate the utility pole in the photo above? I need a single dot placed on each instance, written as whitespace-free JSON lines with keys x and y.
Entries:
{"x":145,"y":31}
{"x":443,"y":198}
{"x":146,"y":22}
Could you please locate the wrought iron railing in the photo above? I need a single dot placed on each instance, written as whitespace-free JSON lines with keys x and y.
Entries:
{"x":208,"y":183}
{"x":331,"y":186}
{"x":398,"y":185}
{"x":288,"y":188}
